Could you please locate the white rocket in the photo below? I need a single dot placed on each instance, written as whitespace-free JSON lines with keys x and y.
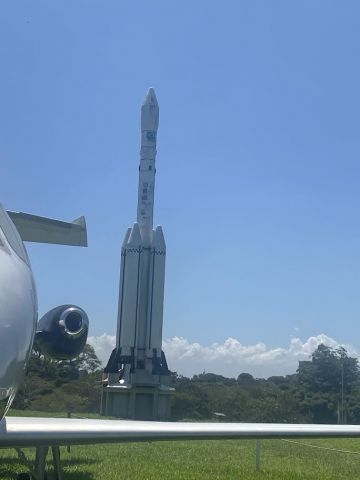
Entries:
{"x":138,"y":352}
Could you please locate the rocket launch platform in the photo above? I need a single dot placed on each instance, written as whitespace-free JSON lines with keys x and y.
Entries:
{"x":136,"y":378}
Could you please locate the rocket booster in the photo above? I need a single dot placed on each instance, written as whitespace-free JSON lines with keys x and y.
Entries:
{"x":142,"y":273}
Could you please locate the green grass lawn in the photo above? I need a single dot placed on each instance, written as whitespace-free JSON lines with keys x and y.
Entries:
{"x":227,"y":459}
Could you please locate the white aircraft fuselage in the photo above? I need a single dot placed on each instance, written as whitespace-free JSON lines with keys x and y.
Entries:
{"x":18,"y":310}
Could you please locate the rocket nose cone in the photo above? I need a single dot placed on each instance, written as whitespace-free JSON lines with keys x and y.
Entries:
{"x":126,"y":238}
{"x":134,"y":239}
{"x":158,"y":239}
{"x":150,"y":112}
{"x":150,"y":98}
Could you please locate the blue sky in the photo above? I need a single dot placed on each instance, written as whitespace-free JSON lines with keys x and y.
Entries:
{"x":258,"y":157}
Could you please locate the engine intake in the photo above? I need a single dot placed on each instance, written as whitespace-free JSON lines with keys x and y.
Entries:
{"x":62,"y":332}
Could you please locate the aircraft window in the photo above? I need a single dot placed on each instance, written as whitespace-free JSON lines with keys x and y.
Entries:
{"x":12,"y":236}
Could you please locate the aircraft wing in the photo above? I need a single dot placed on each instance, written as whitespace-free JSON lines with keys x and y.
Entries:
{"x":33,"y":228}
{"x":31,"y":431}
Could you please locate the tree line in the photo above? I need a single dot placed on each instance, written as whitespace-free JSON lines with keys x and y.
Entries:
{"x":324,"y":389}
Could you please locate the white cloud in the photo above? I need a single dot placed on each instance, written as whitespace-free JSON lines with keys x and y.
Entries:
{"x":230,"y":357}
{"x":103,"y":345}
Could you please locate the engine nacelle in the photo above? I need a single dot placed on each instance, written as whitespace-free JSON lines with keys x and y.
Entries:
{"x":62,"y":332}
